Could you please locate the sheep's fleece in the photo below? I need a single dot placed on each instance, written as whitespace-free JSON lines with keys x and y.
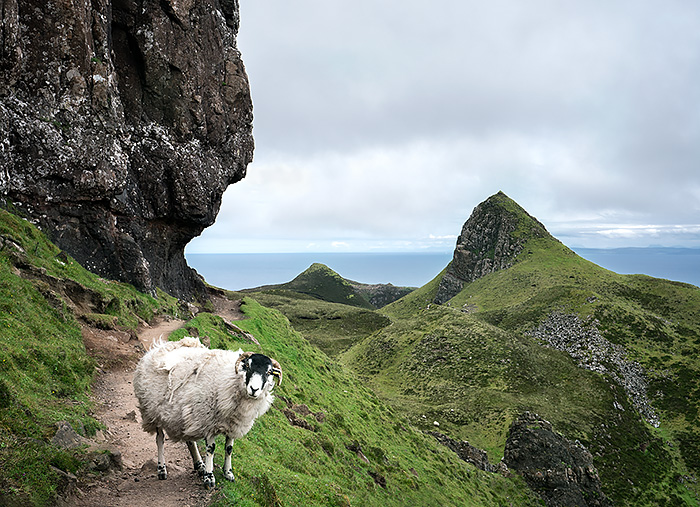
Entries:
{"x":193,"y":392}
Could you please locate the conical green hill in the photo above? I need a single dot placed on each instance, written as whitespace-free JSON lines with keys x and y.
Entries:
{"x":323,"y":283}
{"x":610,"y":360}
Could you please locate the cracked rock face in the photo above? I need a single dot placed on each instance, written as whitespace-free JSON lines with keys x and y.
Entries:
{"x":122,"y":122}
{"x":559,"y":470}
{"x":490,"y":240}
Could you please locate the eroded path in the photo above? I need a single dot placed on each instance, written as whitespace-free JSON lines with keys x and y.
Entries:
{"x":136,"y":484}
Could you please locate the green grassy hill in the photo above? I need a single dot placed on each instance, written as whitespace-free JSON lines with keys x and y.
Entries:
{"x":499,"y":347}
{"x":322,"y":283}
{"x":329,"y":440}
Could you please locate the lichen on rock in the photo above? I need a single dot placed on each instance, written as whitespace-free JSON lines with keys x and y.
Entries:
{"x":121,"y":125}
{"x":560,"y":470}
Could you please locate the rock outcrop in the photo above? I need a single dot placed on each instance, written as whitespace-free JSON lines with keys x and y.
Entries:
{"x":470,"y":454}
{"x":122,"y":122}
{"x":490,"y":240}
{"x":559,"y":470}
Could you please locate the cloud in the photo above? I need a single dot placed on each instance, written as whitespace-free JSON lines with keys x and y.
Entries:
{"x":385,"y":123}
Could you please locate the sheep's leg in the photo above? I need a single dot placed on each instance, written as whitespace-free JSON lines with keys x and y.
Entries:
{"x":228,"y":471}
{"x":196,"y":458}
{"x":209,"y":481}
{"x":160,"y":438}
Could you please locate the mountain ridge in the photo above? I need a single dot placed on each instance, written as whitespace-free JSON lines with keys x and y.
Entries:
{"x":495,"y":346}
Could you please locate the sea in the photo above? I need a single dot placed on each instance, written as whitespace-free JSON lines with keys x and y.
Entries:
{"x":244,"y":271}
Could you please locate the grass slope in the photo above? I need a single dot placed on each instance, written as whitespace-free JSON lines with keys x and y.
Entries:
{"x":354,"y":449}
{"x":332,"y":327}
{"x":45,"y":372}
{"x":470,"y":366}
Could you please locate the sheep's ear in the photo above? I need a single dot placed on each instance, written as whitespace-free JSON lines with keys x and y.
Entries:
{"x":241,"y":358}
{"x":277,"y":371}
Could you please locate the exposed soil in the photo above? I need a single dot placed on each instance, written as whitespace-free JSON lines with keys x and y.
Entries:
{"x":136,"y":484}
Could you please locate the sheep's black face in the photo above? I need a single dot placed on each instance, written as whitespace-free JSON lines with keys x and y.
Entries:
{"x":258,"y":371}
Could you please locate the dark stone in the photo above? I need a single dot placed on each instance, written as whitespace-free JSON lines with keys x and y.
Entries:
{"x":490,"y":240}
{"x":379,"y":479}
{"x":559,"y":470}
{"x":297,"y":421}
{"x":122,"y":122}
{"x":67,"y":438}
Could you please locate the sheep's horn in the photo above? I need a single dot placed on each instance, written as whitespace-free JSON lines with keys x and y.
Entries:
{"x":277,"y":371}
{"x":241,"y":358}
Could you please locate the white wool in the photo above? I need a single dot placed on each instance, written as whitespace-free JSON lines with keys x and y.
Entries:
{"x":193,"y":392}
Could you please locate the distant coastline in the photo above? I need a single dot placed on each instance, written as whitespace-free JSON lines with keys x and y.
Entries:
{"x":245,"y":271}
{"x":235,"y":271}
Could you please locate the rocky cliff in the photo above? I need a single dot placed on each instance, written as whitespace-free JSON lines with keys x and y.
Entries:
{"x":560,"y":470}
{"x":122,"y":122}
{"x":490,"y":240}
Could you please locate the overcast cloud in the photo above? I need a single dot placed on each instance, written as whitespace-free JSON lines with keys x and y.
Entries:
{"x":379,"y":125}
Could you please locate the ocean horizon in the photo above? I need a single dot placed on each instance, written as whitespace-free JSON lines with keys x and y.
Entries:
{"x":236,"y":271}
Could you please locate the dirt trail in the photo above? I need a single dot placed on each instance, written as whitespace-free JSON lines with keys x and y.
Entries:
{"x":136,"y":484}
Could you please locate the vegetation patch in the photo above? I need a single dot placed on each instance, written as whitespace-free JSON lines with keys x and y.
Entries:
{"x":332,"y":327}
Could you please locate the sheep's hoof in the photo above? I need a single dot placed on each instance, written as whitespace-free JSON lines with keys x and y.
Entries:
{"x":229,"y":475}
{"x":162,"y":472}
{"x":209,"y":481}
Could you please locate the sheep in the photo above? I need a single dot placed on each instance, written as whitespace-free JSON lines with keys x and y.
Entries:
{"x":193,"y":393}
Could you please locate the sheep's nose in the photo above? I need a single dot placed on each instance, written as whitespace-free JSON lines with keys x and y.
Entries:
{"x":253,"y":391}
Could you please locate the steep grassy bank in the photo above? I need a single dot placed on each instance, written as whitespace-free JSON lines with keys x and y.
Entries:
{"x":45,"y":372}
{"x":330,"y":441}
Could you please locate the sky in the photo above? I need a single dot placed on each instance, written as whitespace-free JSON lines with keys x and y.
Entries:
{"x":380,"y":125}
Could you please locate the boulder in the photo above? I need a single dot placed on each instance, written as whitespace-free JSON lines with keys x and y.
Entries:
{"x":559,"y":470}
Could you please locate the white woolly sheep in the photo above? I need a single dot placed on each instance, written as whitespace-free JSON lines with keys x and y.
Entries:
{"x":194,"y":393}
